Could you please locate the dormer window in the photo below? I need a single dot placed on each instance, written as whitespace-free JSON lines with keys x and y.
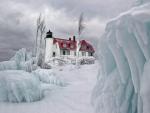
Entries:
{"x":84,"y":47}
{"x":72,"y":46}
{"x":65,"y":45}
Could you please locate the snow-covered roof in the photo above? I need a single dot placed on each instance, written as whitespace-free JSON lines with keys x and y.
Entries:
{"x":71,"y":44}
{"x":85,"y":46}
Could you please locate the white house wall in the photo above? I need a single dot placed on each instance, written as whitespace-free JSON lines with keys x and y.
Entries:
{"x":87,"y":53}
{"x":80,"y":53}
{"x":56,"y":49}
{"x":72,"y":53}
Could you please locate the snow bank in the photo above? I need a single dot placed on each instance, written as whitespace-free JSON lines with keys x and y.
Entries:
{"x":19,"y":86}
{"x":123,"y":50}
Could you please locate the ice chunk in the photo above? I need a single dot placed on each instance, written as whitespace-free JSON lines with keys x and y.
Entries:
{"x":145,"y":90}
{"x":124,"y":50}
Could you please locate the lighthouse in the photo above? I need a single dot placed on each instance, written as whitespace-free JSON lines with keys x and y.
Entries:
{"x":48,"y":45}
{"x":56,"y":48}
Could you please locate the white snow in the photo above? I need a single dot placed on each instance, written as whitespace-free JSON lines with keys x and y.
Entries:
{"x":73,"y":97}
{"x":123,"y":50}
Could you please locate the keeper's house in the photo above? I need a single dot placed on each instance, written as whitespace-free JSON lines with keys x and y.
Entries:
{"x":57,"y":47}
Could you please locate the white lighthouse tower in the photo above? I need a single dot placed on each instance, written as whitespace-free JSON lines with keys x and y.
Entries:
{"x":48,"y":45}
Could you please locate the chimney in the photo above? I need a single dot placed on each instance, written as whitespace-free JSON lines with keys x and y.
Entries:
{"x":69,"y":39}
{"x":74,"y":38}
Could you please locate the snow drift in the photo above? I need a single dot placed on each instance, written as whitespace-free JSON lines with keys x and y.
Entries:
{"x":124,"y":50}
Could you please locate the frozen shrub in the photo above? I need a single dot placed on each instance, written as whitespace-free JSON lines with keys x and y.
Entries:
{"x":19,"y":86}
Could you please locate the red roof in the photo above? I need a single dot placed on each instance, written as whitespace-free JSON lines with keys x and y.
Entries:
{"x":71,"y":44}
{"x":85,"y":46}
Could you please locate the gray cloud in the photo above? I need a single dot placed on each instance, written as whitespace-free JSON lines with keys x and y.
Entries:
{"x":18,"y":20}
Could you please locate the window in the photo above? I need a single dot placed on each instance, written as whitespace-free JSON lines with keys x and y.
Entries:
{"x":74,"y":53}
{"x":72,"y":46}
{"x":64,"y":52}
{"x":65,"y":45}
{"x":84,"y":47}
{"x":83,"y":53}
{"x":68,"y":52}
{"x":90,"y":54}
{"x":54,"y":54}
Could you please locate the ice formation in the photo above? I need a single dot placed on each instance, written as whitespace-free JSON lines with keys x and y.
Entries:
{"x":19,"y":86}
{"x":22,"y":60}
{"x":124,"y":51}
{"x":49,"y":77}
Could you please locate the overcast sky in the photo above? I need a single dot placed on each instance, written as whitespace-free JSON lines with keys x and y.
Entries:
{"x":18,"y":19}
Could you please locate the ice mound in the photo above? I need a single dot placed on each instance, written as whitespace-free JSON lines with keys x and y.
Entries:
{"x":123,"y":51}
{"x":22,"y":60}
{"x":19,"y":86}
{"x":145,"y":90}
{"x":49,"y":77}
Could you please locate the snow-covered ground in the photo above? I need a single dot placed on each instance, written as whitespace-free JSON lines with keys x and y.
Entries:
{"x":74,"y":97}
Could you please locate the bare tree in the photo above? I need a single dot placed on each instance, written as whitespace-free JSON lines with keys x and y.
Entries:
{"x":80,"y":29}
{"x":39,"y":46}
{"x":81,"y":24}
{"x":42,"y":31}
{"x":42,"y":51}
{"x":38,"y":24}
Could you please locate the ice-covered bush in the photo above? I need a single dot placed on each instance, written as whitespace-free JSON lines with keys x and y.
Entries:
{"x":49,"y":77}
{"x":86,"y":60}
{"x":46,"y":66}
{"x":124,"y":50}
{"x":19,"y":86}
{"x":22,"y":60}
{"x":8,"y":65}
